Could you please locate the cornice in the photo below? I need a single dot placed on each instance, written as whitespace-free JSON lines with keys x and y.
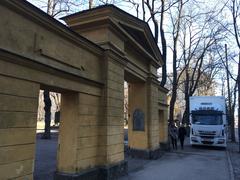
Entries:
{"x":163,"y":89}
{"x":153,"y":79}
{"x":140,"y":48}
{"x":118,"y":57}
{"x":163,"y":104}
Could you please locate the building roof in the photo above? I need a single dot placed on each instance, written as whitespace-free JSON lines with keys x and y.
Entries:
{"x":136,"y":28}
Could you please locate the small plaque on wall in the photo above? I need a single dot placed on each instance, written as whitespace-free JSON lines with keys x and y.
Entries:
{"x":138,"y":120}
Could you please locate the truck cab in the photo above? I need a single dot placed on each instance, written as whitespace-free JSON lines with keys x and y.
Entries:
{"x":208,"y":121}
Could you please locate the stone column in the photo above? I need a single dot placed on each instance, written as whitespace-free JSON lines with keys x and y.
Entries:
{"x":163,"y":119}
{"x":81,"y":141}
{"x":113,"y":122}
{"x":153,"y":121}
{"x":67,"y":142}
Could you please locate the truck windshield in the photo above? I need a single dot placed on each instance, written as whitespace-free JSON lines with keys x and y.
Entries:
{"x":207,"y":119}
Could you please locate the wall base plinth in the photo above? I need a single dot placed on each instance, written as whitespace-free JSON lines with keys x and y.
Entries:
{"x":165,"y":146}
{"x":110,"y":172}
{"x":145,"y":154}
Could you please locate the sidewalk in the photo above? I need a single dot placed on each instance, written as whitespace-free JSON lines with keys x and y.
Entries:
{"x":234,"y":154}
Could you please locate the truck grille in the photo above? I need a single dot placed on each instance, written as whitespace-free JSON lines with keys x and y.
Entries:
{"x":207,"y":137}
{"x":207,"y":133}
{"x":207,"y":142}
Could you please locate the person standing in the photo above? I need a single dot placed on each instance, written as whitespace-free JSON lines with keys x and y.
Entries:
{"x":173,"y":134}
{"x":181,"y":135}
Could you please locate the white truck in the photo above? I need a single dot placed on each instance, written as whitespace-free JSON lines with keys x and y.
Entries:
{"x":208,"y":123}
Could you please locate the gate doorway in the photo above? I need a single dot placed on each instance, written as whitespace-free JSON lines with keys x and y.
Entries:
{"x":47,"y":135}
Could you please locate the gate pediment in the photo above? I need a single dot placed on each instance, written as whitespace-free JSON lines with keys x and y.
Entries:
{"x":113,"y":28}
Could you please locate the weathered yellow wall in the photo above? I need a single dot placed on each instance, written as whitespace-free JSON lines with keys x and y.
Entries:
{"x":136,"y":59}
{"x":58,"y":54}
{"x":39,"y":53}
{"x":93,"y":34}
{"x":81,"y":134}
{"x":107,"y":36}
{"x":142,"y":95}
{"x":163,"y":116}
{"x":163,"y":126}
{"x":81,"y":140}
{"x":18,"y":114}
{"x":45,"y":45}
{"x":114,"y":94}
{"x":50,"y":79}
{"x":153,"y":120}
{"x":89,"y":136}
{"x":67,"y":143}
{"x":138,"y":99}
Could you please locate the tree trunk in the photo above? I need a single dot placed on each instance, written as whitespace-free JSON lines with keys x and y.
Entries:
{"x":175,"y":74}
{"x":238,"y":81}
{"x":230,"y":114}
{"x":174,"y":84}
{"x":47,"y":108}
{"x":50,"y":7}
{"x":186,"y":92}
{"x":187,"y":111}
{"x":164,"y":48}
{"x":90,"y":3}
{"x":172,"y":104}
{"x":143,"y":11}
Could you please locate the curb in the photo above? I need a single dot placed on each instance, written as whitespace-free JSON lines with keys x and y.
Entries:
{"x":230,"y":166}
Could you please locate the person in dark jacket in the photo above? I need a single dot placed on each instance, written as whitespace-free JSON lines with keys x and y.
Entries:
{"x":173,"y":134}
{"x":181,"y":134}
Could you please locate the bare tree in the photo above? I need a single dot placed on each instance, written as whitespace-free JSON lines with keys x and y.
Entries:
{"x":176,"y":21}
{"x":231,"y":81}
{"x":230,"y":108}
{"x":233,"y":6}
{"x":40,"y":107}
{"x":56,"y":99}
{"x":195,"y":59}
{"x":47,"y":109}
{"x":57,"y":8}
{"x":238,"y":82}
{"x":235,"y":11}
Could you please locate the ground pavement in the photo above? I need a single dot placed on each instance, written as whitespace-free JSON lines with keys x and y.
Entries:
{"x":189,"y":164}
{"x":234,"y":154}
{"x":46,"y":155}
{"x":196,"y":163}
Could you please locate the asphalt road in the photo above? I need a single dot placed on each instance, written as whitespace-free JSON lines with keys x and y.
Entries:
{"x":198,"y":163}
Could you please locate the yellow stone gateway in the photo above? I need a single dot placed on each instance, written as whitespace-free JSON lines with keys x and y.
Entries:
{"x":87,"y":62}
